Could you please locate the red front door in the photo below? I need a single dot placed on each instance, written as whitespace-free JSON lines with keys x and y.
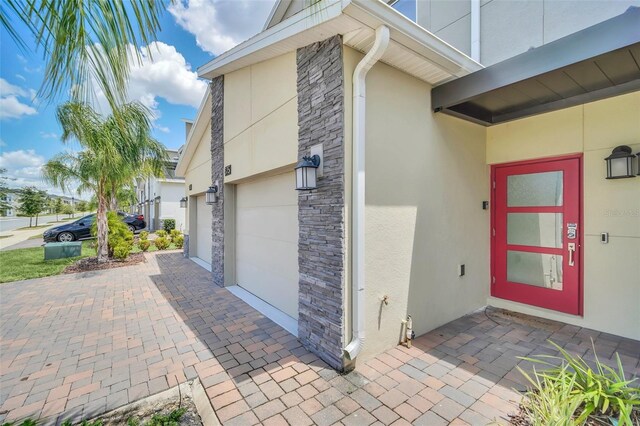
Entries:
{"x":537,"y":233}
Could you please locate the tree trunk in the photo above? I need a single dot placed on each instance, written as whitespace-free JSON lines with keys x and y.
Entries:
{"x":103,"y":226}
{"x":36,"y":220}
{"x":30,"y":221}
{"x":113,"y":201}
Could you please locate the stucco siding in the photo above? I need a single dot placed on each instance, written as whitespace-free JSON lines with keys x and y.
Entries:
{"x":611,"y":271}
{"x":508,"y":28}
{"x":426,"y":178}
{"x":260,"y":118}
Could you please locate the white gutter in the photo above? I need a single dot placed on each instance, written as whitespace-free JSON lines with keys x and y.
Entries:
{"x":359,"y":114}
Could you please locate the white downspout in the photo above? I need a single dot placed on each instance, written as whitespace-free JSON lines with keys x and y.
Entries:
{"x":475,"y":30}
{"x":357,"y":232}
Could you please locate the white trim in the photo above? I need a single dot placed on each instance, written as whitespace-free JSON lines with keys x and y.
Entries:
{"x":305,"y":20}
{"x":201,"y":262}
{"x":277,"y":12}
{"x":274,"y":314}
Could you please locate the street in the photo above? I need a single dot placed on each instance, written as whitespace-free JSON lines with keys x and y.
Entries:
{"x":11,"y":223}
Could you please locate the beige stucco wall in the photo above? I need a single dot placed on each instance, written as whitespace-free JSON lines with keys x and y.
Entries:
{"x":198,"y":173}
{"x":426,"y":178}
{"x":261,"y":118}
{"x":611,"y":271}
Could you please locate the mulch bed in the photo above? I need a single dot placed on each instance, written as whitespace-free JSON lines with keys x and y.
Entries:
{"x":91,"y":264}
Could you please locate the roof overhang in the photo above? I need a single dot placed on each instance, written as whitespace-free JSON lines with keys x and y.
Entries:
{"x":595,"y":63}
{"x":412,"y":49}
{"x":200,"y":125}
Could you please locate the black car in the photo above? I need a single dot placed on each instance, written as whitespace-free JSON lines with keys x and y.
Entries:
{"x":81,"y":228}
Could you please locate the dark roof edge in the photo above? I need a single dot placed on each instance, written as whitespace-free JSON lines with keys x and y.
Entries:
{"x":615,"y":33}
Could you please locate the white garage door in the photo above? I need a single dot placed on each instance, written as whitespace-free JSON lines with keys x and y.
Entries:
{"x":267,"y":241}
{"x":203,"y":230}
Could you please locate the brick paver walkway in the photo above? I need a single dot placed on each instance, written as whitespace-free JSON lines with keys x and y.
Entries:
{"x":76,"y":346}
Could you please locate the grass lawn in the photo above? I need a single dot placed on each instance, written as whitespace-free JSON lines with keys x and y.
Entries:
{"x":35,"y":237}
{"x":24,"y":264}
{"x":5,"y":236}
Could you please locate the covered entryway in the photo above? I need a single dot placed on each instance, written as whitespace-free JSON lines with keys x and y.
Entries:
{"x":267,"y":241}
{"x":203,"y":230}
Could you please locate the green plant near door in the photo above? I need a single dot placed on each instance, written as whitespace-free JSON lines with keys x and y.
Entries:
{"x":570,"y":392}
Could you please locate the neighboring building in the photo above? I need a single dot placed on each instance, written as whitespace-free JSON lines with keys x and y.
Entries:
{"x":159,"y":198}
{"x":483,"y":185}
{"x":13,"y":200}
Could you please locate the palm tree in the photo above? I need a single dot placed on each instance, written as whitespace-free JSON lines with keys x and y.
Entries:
{"x":85,"y":41}
{"x":112,"y":155}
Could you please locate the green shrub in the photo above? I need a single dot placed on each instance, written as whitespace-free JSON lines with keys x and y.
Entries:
{"x":572,"y":392}
{"x":161,"y":233}
{"x":161,"y":243}
{"x":169,"y":224}
{"x":178,"y":241}
{"x":175,"y":233}
{"x":144,"y":245}
{"x":121,"y":251}
{"x":118,"y":232}
{"x":144,"y":235}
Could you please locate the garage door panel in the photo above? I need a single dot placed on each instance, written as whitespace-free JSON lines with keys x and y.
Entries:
{"x":267,"y":241}
{"x":268,"y":192}
{"x":203,"y":230}
{"x":270,"y":222}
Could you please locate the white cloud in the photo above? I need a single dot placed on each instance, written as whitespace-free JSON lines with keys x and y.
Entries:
{"x":219,"y":25}
{"x":49,"y":135}
{"x":24,"y":168}
{"x":25,"y":165}
{"x":2,"y":143}
{"x":10,"y":105}
{"x":163,"y":129}
{"x":21,"y":77}
{"x":161,"y":72}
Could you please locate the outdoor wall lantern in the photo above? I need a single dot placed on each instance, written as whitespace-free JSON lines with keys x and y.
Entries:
{"x":620,"y":163}
{"x":211,"y":194}
{"x":307,"y":173}
{"x":183,"y":202}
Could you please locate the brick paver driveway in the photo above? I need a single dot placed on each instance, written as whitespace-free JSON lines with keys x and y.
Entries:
{"x":78,"y":345}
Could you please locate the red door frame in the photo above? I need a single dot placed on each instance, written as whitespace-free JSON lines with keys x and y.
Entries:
{"x":580,"y":235}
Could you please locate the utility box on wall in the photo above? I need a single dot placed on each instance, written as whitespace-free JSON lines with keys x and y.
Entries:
{"x":62,"y":250}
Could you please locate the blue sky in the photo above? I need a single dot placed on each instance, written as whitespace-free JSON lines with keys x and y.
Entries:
{"x":193,"y":32}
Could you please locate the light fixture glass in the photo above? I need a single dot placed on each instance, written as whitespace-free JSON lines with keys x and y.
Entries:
{"x":307,"y":173}
{"x":183,"y":203}
{"x":620,"y":163}
{"x":211,"y":194}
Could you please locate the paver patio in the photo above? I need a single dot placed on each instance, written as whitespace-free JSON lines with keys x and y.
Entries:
{"x":75,"y":346}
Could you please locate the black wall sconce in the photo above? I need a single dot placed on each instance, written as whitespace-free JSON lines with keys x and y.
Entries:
{"x":307,"y":173}
{"x":211,"y":194}
{"x":620,"y":163}
{"x":183,"y":202}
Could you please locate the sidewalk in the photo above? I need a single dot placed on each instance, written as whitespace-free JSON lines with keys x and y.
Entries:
{"x":17,"y":236}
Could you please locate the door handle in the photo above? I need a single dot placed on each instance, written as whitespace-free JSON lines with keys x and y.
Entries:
{"x":572,"y":251}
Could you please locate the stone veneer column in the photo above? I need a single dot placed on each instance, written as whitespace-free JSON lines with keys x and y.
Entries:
{"x":321,"y":211}
{"x":185,"y":246}
{"x":217,"y":173}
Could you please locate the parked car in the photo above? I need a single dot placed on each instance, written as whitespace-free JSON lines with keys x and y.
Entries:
{"x":81,"y":228}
